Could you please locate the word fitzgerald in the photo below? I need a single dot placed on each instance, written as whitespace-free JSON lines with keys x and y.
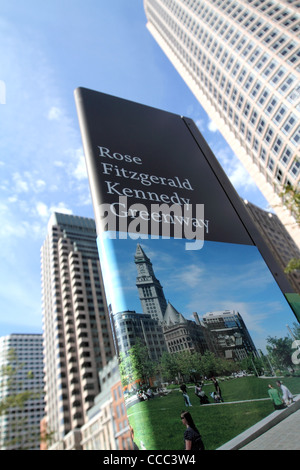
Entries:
{"x":145,"y":179}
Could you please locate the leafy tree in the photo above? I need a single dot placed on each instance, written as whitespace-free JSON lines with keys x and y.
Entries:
{"x":136,"y":365}
{"x":291,"y":199}
{"x":280,"y":351}
{"x":126,"y":369}
{"x":184,"y":364}
{"x":189,"y":365}
{"x":9,"y":381}
{"x":209,"y":364}
{"x":252,"y":364}
{"x":296,"y":330}
{"x":293,"y":265}
{"x":168,"y":366}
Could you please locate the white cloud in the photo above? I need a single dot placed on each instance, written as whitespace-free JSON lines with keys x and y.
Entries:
{"x":42,"y":209}
{"x":21,"y":186}
{"x":234,"y":169}
{"x":61,"y":207}
{"x":239,"y":177}
{"x":190,"y":277}
{"x":80,"y":172}
{"x":55,"y":114}
{"x":45,"y":211}
{"x":40,"y":184}
{"x":200,"y":124}
{"x":212,"y":127}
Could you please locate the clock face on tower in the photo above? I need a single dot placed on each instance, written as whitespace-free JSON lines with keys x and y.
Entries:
{"x":141,"y":269}
{"x":144,"y":269}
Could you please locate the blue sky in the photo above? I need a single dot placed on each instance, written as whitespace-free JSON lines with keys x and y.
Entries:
{"x":47,"y":49}
{"x":220,"y":276}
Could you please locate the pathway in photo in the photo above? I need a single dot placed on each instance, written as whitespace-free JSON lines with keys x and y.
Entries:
{"x":278,"y":431}
{"x":206,"y":405}
{"x":282,"y":436}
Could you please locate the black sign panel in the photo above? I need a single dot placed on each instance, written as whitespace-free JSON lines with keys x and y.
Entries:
{"x":186,"y":272}
{"x":154,"y":160}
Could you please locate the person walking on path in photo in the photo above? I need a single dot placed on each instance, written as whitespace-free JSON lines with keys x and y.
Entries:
{"x":287,"y":396}
{"x":275,"y":398}
{"x":186,"y":399}
{"x":185,"y":395}
{"x":217,"y":388}
{"x":192,"y":438}
{"x":183,"y":388}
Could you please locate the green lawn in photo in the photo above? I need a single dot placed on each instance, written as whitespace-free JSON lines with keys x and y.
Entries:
{"x":217,"y":423}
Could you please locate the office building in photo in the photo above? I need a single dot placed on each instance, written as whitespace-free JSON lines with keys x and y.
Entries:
{"x":182,"y":334}
{"x":131,"y":328}
{"x":78,"y":341}
{"x":20,"y":425}
{"x":229,"y":334}
{"x":241,"y":59}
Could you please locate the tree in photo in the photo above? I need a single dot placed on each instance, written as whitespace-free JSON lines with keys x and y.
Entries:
{"x":136,"y":365}
{"x":291,"y":200}
{"x":15,"y":402}
{"x":280,"y":352}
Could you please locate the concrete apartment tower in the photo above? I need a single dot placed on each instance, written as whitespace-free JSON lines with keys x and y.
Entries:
{"x":241,"y":59}
{"x":77,"y":335}
{"x":278,"y":240}
{"x":20,"y":425}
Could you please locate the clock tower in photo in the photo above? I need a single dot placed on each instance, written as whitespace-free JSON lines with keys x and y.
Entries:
{"x":150,"y":290}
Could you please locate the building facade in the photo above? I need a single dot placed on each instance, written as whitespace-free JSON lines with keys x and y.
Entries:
{"x":150,"y":290}
{"x":182,"y":334}
{"x":241,"y":59}
{"x":131,"y":327}
{"x":107,"y":427}
{"x":76,"y":328}
{"x":229,"y":334}
{"x":278,"y":240}
{"x":167,"y":330}
{"x":174,"y":332}
{"x":20,"y":425}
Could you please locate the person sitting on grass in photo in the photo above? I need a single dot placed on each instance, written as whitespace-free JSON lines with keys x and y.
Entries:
{"x":275,"y":398}
{"x":287,"y":396}
{"x":201,"y":394}
{"x":217,"y":388}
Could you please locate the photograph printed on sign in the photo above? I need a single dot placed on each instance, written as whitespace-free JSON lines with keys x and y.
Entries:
{"x":202,"y":332}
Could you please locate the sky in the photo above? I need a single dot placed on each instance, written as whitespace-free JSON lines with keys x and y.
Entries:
{"x":47,"y":50}
{"x":219,"y":276}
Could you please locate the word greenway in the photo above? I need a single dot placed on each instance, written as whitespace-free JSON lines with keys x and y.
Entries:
{"x":137,"y":221}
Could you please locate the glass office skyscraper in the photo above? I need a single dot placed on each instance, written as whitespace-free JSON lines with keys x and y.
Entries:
{"x":241,"y":59}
